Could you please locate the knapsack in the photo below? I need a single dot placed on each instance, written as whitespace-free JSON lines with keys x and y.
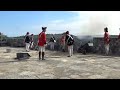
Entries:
{"x":70,"y":40}
{"x":27,"y":39}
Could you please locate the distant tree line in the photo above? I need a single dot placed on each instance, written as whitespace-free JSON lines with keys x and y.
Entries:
{"x":3,"y":37}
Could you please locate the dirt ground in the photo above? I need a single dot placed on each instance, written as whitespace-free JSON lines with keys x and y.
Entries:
{"x":58,"y":66}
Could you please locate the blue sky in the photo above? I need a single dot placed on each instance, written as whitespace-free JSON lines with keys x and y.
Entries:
{"x":14,"y":23}
{"x":17,"y":23}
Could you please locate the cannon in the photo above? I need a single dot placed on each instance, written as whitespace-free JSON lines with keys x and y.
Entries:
{"x":86,"y":48}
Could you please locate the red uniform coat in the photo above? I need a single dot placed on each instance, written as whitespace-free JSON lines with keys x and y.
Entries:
{"x":106,"y":38}
{"x":42,"y":39}
{"x":62,"y":40}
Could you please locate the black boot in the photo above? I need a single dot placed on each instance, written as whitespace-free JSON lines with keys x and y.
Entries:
{"x":43,"y":54}
{"x":39,"y":55}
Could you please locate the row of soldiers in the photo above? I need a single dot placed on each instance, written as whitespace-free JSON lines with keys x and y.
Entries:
{"x":66,"y":39}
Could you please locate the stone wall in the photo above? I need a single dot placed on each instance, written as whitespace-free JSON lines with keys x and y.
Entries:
{"x":59,"y":48}
{"x":98,"y":43}
{"x":14,"y":42}
{"x":19,"y":42}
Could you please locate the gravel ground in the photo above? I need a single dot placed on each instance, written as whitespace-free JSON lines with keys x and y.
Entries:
{"x":58,"y":66}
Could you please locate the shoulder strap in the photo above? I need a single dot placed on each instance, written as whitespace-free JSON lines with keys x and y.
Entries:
{"x":40,"y":34}
{"x":53,"y":38}
{"x":25,"y":36}
{"x":69,"y":36}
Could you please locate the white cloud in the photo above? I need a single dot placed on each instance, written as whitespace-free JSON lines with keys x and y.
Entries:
{"x":85,"y":22}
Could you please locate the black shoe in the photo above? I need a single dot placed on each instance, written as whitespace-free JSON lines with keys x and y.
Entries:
{"x":68,"y":56}
{"x":27,"y":51}
{"x":39,"y":58}
{"x":43,"y":59}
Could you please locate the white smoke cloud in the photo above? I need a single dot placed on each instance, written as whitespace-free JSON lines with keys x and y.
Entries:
{"x":93,"y":22}
{"x":85,"y":23}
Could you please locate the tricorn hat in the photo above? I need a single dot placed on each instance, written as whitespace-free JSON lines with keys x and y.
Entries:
{"x":27,"y":33}
{"x":44,"y":28}
{"x":106,"y":29}
{"x":67,"y":32}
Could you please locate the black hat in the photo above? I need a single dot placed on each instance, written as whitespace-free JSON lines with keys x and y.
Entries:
{"x":67,"y":32}
{"x":106,"y":29}
{"x":44,"y":28}
{"x":27,"y":33}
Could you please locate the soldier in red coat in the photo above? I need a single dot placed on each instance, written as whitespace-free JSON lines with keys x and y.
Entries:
{"x":42,"y":43}
{"x":106,"y":40}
